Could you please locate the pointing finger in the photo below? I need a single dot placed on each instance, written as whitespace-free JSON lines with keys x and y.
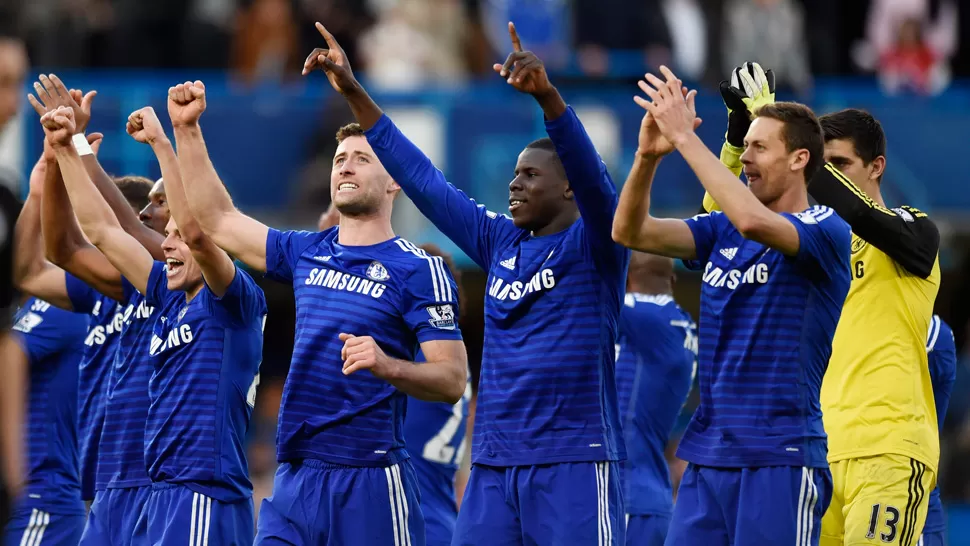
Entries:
{"x":331,"y":41}
{"x":516,"y":42}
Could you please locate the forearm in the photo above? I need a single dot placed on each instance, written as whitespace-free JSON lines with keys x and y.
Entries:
{"x":61,"y":233}
{"x":740,"y":205}
{"x":28,"y":242}
{"x":93,"y":212}
{"x":365,"y":110}
{"x":633,"y":211}
{"x":120,"y":207}
{"x":431,"y":381}
{"x":207,"y":198}
{"x":178,"y":204}
{"x":552,"y":104}
{"x":13,"y":407}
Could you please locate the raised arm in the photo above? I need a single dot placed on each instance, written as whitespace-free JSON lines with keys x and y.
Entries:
{"x":51,"y":93}
{"x":905,"y":234}
{"x":13,"y":410}
{"x":209,"y":202}
{"x":633,"y":226}
{"x":218,"y":269}
{"x":675,"y":117}
{"x":475,"y":230}
{"x":96,"y":217}
{"x":32,"y":273}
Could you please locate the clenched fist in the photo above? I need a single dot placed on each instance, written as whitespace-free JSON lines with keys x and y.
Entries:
{"x":144,"y":126}
{"x":363,"y":353}
{"x":59,"y":126}
{"x":186,"y":102}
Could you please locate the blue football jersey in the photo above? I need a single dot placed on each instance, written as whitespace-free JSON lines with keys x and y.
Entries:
{"x":391,"y":291}
{"x":205,"y":354}
{"x":121,"y":462}
{"x":435,"y":437}
{"x":766,"y":327}
{"x":942,"y":355}
{"x":100,"y":347}
{"x":52,"y":339}
{"x":547,"y":392}
{"x":655,"y":365}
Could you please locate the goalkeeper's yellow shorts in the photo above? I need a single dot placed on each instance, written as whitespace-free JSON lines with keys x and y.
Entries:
{"x":877,"y":500}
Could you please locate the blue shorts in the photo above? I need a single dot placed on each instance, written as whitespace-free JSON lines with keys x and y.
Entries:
{"x":177,"y":515}
{"x":932,"y":539}
{"x":646,"y":530}
{"x":437,"y":487}
{"x":560,"y":504}
{"x":114,"y":518}
{"x":314,"y":502}
{"x":750,"y":506}
{"x":33,"y":527}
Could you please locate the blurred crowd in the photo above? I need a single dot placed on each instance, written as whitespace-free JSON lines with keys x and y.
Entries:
{"x":404,"y":44}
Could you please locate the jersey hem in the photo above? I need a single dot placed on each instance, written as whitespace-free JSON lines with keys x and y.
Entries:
{"x":507,"y":461}
{"x":716,"y":462}
{"x":865,"y":453}
{"x":392,"y":459}
{"x":127,"y":484}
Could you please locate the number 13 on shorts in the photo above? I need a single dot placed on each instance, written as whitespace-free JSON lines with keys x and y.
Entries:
{"x":877,"y":500}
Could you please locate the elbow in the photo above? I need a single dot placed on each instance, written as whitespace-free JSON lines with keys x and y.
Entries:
{"x":752,"y":226}
{"x":456,"y":389}
{"x":623,"y":233}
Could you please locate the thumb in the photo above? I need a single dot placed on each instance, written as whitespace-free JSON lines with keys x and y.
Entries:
{"x":327,"y":63}
{"x":87,"y":100}
{"x":95,"y":140}
{"x":345,"y":337}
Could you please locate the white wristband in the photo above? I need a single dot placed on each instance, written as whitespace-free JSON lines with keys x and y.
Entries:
{"x":81,"y":145}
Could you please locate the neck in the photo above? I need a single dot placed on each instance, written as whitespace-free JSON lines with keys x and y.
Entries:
{"x":561,"y":222}
{"x":365,"y":230}
{"x":795,"y":198}
{"x":191,"y":293}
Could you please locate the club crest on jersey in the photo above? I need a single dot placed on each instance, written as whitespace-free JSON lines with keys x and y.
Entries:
{"x":442,"y":316}
{"x":858,"y":244}
{"x":377,"y":272}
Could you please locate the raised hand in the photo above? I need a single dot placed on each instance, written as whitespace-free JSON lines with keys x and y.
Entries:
{"x":59,"y":126}
{"x":673,"y":111}
{"x":334,"y":63}
{"x":186,"y":102}
{"x":523,"y":70}
{"x":651,"y":141}
{"x":144,"y":126}
{"x":51,"y":94}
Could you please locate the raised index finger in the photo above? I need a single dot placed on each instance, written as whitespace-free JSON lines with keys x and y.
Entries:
{"x":331,"y":41}
{"x":516,"y":42}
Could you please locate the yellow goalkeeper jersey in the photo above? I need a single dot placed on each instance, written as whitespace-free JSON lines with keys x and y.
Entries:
{"x":877,"y":397}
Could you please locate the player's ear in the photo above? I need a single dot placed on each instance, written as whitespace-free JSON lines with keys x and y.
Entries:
{"x":877,"y":168}
{"x":798,"y":159}
{"x":393,"y":187}
{"x":568,"y":193}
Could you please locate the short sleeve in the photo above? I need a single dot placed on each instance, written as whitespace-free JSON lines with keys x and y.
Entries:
{"x":83,"y":298}
{"x":44,"y":331}
{"x":431,"y":302}
{"x":704,"y":229}
{"x":824,"y":239}
{"x":157,"y":285}
{"x":283,"y":249}
{"x":243,"y":300}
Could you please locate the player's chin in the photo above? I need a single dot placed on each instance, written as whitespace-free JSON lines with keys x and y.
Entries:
{"x":520,"y":216}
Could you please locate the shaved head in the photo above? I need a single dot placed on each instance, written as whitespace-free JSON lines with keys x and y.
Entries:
{"x":650,"y":274}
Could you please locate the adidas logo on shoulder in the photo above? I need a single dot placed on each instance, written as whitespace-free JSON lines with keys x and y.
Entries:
{"x":322,"y":258}
{"x":729,"y":253}
{"x":508,"y":264}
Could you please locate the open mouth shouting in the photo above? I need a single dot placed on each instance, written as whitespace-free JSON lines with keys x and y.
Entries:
{"x":173,"y":266}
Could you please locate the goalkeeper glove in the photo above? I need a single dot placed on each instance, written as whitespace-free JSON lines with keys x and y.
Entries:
{"x":750,"y":88}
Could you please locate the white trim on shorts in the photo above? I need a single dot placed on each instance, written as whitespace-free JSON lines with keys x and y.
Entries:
{"x":604,"y":525}
{"x":34,"y":532}
{"x":807,"y":498}
{"x":399,"y":506}
{"x":199,"y":524}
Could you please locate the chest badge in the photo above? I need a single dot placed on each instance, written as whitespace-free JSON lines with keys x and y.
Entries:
{"x":377,"y":272}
